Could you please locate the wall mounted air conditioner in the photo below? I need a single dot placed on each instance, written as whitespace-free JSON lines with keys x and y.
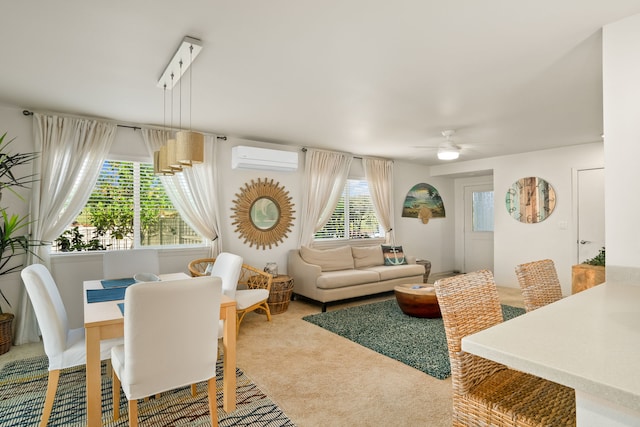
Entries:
{"x":244,"y":157}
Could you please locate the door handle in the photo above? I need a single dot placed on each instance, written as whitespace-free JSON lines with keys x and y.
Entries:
{"x":584,"y":242}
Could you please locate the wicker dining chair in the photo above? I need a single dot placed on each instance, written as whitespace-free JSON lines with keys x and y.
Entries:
{"x":253,"y":288}
{"x":486,"y":393}
{"x":539,"y":283}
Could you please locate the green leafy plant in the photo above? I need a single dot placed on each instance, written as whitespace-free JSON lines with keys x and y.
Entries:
{"x":598,"y":259}
{"x":73,"y":240}
{"x":14,"y":239}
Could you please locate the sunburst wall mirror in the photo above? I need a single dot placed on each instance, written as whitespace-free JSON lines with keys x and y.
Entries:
{"x":262,"y":213}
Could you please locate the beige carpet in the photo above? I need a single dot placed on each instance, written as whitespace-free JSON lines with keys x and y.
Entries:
{"x":319,"y":378}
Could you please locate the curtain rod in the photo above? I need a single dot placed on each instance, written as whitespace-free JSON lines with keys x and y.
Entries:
{"x":30,"y":113}
{"x":304,"y":150}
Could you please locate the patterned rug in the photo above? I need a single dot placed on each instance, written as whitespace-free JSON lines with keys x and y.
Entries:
{"x":384,"y":328}
{"x":23,"y":387}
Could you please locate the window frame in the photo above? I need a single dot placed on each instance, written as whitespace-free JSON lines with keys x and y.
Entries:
{"x":335,"y":242}
{"x":136,"y":238}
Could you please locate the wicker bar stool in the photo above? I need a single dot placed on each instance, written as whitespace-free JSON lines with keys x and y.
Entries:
{"x":539,"y":283}
{"x":486,"y":393}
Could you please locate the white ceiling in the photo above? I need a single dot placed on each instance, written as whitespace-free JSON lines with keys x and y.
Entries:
{"x":368,"y":77}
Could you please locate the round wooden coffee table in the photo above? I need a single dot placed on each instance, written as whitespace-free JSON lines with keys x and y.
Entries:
{"x":418,"y":300}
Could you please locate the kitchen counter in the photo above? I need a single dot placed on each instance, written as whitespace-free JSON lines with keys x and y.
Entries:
{"x":589,"y":341}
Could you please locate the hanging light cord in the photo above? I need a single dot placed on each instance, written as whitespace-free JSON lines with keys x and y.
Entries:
{"x":164,"y":111}
{"x":180,"y":122}
{"x":190,"y":85}
{"x":171,"y":130}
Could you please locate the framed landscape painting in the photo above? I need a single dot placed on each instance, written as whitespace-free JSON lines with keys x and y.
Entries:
{"x":423,"y":196}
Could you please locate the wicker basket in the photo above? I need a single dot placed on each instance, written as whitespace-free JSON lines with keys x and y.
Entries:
{"x":6,"y":335}
{"x":280,"y":294}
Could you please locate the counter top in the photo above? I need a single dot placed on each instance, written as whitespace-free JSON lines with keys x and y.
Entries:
{"x":589,"y":341}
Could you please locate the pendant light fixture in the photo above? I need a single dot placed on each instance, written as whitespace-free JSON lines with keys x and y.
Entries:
{"x":160,"y":164}
{"x":190,"y":144}
{"x":187,"y":147}
{"x":172,"y":160}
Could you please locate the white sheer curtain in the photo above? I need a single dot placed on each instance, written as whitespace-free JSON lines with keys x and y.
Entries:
{"x":194,"y":191}
{"x":71,"y":154}
{"x":325,"y":174}
{"x":379,"y":175}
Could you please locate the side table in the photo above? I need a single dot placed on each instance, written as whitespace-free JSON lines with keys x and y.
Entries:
{"x":280,"y":294}
{"x":427,"y":268}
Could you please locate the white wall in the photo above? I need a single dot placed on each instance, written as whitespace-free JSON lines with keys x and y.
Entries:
{"x":621,"y":94}
{"x":515,"y":242}
{"x":430,"y":241}
{"x":19,"y":127}
{"x":232,"y":183}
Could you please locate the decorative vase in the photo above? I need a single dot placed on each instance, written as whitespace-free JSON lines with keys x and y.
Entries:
{"x":6,"y":332}
{"x":271,"y":268}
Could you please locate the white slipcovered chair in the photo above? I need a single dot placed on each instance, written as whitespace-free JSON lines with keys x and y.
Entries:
{"x":64,"y":347}
{"x":123,"y":264}
{"x":229,"y":267}
{"x":163,"y":352}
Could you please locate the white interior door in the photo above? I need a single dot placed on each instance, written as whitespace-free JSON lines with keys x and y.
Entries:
{"x":590,"y":213}
{"x":478,"y":227}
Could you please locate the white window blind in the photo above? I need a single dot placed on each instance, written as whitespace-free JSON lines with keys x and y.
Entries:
{"x":354,"y":217}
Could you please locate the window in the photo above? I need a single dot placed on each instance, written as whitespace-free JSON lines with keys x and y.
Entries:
{"x":482,"y":207}
{"x":128,"y":208}
{"x":354,"y":217}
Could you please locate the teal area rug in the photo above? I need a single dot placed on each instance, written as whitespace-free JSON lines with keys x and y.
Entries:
{"x":23,"y":387}
{"x":384,"y":328}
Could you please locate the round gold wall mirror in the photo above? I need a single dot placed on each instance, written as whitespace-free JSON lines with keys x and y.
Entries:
{"x":265,"y":213}
{"x":262,"y":213}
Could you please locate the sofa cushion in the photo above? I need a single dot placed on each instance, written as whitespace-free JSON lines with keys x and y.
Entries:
{"x":367,"y":256}
{"x":343,"y":278}
{"x":328,"y":259}
{"x":393,"y":255}
{"x":397,"y":271}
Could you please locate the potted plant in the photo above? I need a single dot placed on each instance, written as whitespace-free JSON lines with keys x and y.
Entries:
{"x":588,"y":274}
{"x":14,"y":239}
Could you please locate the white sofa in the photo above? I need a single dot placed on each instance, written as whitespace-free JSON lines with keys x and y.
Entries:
{"x":347,"y":272}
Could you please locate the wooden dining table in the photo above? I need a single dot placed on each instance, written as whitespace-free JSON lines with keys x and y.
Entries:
{"x":104,"y":320}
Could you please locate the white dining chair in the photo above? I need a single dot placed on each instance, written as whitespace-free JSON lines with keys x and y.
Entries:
{"x":124,"y":264}
{"x":229,"y":267}
{"x":170,"y":341}
{"x":64,"y":347}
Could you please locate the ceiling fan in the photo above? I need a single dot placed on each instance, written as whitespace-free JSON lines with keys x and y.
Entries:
{"x":448,"y":150}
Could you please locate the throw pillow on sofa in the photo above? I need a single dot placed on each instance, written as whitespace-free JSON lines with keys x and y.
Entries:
{"x":393,"y":255}
{"x":328,"y":259}
{"x":367,"y":256}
